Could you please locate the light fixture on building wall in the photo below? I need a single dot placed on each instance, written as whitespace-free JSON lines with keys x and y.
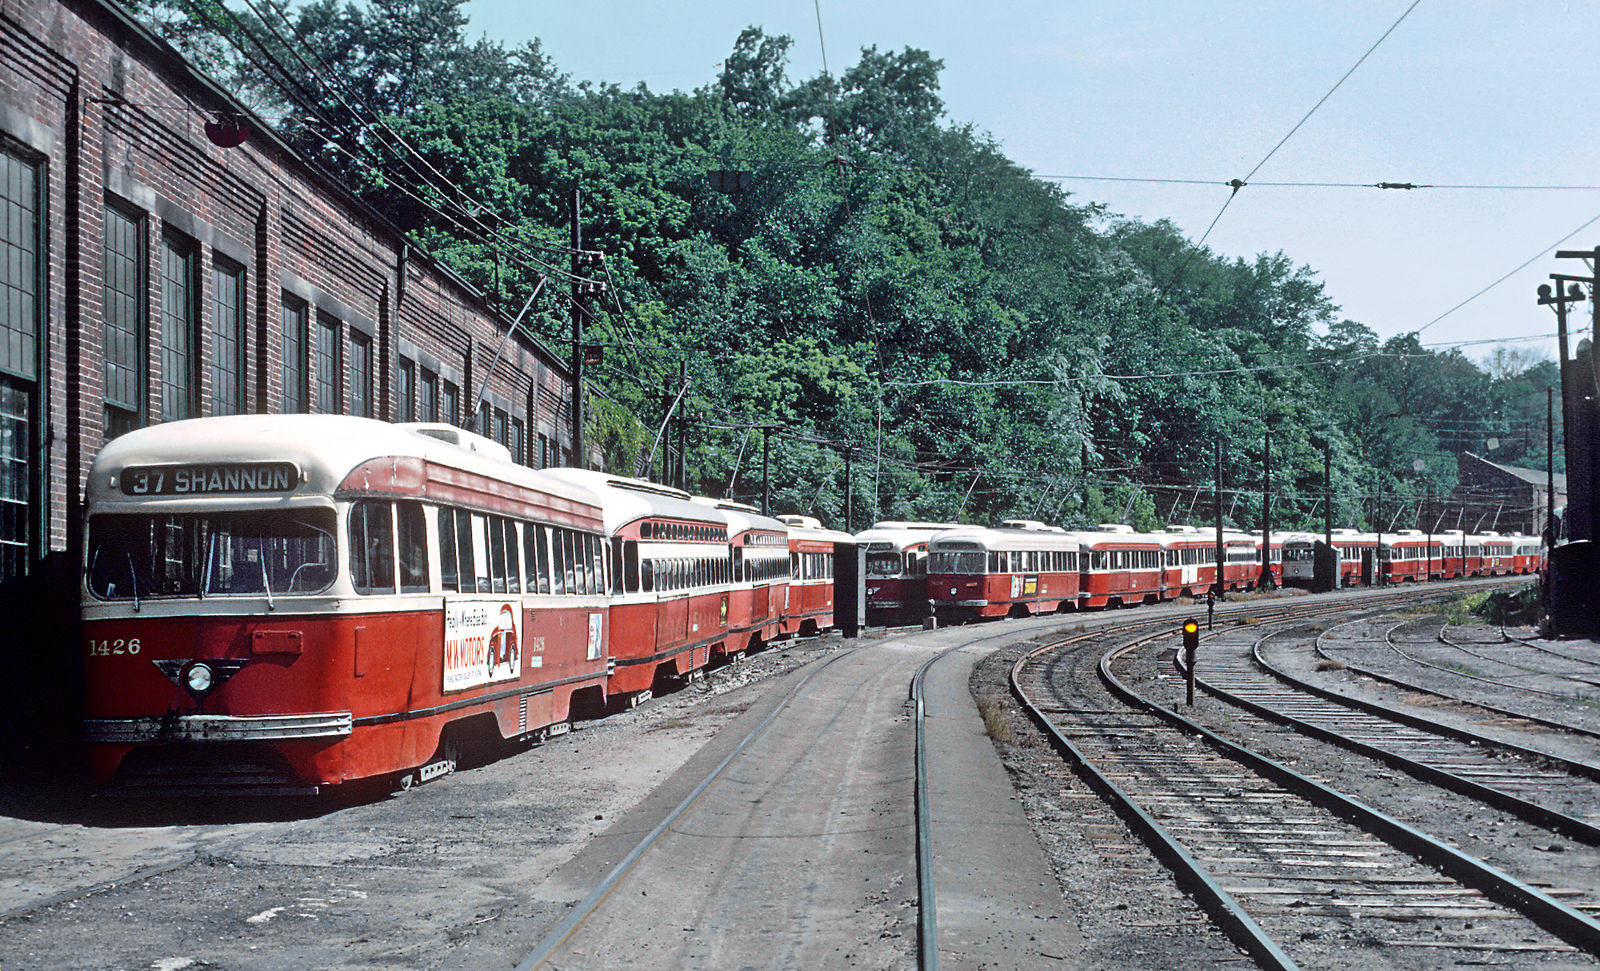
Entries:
{"x":226,"y":132}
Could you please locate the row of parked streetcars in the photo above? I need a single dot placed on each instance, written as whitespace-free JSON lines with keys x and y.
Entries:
{"x":287,"y":603}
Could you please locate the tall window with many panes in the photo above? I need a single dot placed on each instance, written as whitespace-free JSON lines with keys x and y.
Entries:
{"x":330,"y":366}
{"x":122,"y":307}
{"x":360,"y":374}
{"x":227,"y":338}
{"x":21,"y":322}
{"x":180,"y":384}
{"x":292,"y":348}
{"x":405,"y":380}
{"x":428,"y":397}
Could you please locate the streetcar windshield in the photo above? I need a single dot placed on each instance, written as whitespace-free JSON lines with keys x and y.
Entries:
{"x":148,"y":557}
{"x":946,"y":563}
{"x":883,"y":564}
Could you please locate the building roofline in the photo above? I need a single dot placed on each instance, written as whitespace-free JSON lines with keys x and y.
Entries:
{"x":171,"y":59}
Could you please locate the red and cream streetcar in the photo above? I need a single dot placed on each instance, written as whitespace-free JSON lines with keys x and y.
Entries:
{"x":759,"y":590}
{"x":282,"y":603}
{"x":1120,"y":568}
{"x":670,"y":611}
{"x":811,"y":568}
{"x":1021,"y":568}
{"x":897,"y":568}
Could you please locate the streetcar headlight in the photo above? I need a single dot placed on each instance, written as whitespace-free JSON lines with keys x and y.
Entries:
{"x":199,"y":678}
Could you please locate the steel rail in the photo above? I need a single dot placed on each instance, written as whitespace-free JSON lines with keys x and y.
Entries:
{"x":1571,"y":925}
{"x":1528,"y":810}
{"x":1417,"y":686}
{"x":585,"y":907}
{"x":1588,"y":679}
{"x":1187,"y":870}
{"x":927,"y":912}
{"x":1388,"y":641}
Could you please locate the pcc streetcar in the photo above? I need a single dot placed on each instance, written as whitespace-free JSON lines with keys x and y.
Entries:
{"x":811,"y":574}
{"x":1022,"y":568}
{"x":897,"y":568}
{"x":282,"y":603}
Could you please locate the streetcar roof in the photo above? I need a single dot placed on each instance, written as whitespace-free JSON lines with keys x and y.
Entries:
{"x":626,"y":500}
{"x":902,"y":535}
{"x":324,"y":449}
{"x":809,"y":528}
{"x":1003,"y":539}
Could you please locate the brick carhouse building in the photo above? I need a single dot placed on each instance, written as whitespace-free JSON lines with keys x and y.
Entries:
{"x":149,"y":275}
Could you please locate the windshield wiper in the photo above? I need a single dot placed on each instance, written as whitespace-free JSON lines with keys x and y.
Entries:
{"x":266,"y":581}
{"x":134,"y":579}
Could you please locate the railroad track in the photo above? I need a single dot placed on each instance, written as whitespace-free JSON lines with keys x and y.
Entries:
{"x":1373,"y":658}
{"x":1538,"y":786}
{"x":1275,"y":857}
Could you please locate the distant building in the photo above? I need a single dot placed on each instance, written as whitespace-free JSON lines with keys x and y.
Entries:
{"x":1504,"y":498}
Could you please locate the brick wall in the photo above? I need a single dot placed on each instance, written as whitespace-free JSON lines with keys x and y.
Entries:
{"x":107,"y":114}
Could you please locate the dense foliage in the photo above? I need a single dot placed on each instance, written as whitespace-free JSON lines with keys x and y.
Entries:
{"x":834,"y":260}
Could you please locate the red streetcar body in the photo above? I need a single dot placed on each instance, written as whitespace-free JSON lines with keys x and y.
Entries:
{"x":670,"y":602}
{"x":897,"y":569}
{"x":1189,"y":562}
{"x":759,"y":590}
{"x":1021,"y":568}
{"x":1409,"y":556}
{"x":283,"y":603}
{"x":1119,"y":567}
{"x":811,"y":573}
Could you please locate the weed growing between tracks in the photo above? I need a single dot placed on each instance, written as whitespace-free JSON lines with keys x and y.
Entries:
{"x":993,"y":707}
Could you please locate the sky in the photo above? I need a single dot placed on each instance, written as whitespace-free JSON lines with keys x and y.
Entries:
{"x":1501,"y":93}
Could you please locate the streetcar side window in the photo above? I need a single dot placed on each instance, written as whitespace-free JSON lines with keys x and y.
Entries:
{"x":371,"y":547}
{"x":412,"y":529}
{"x":448,"y":572}
{"x":512,"y":563}
{"x":597,"y":559}
{"x":497,"y":554}
{"x":572,"y":546}
{"x":466,"y":551}
{"x":478,"y":580}
{"x":559,"y":566}
{"x":542,"y":535}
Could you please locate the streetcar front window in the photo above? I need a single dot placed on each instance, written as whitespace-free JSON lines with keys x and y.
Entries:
{"x":947,"y":563}
{"x":883,"y":564}
{"x":147,"y":557}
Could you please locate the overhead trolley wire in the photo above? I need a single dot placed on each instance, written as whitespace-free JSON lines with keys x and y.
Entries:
{"x":1238,"y":184}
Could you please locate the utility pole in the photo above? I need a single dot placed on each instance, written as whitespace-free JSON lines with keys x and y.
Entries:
{"x":1549,"y":471}
{"x":766,"y":470}
{"x":1327,"y":492}
{"x":1265,"y":580}
{"x":1569,"y":289}
{"x":579,"y":457}
{"x":849,"y":503}
{"x":1217,"y":512}
{"x":681,"y":477}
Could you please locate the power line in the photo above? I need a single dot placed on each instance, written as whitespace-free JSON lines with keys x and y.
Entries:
{"x":1238,"y":184}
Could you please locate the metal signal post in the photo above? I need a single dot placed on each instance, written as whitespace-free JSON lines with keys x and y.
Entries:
{"x":1191,"y":643}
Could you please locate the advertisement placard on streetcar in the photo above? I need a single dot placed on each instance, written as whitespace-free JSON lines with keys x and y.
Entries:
{"x":482,"y":641}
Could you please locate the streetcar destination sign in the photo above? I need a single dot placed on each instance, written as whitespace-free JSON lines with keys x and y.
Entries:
{"x":210,"y":479}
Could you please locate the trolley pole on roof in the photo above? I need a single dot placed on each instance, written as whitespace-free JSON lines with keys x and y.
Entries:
{"x":681,"y":476}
